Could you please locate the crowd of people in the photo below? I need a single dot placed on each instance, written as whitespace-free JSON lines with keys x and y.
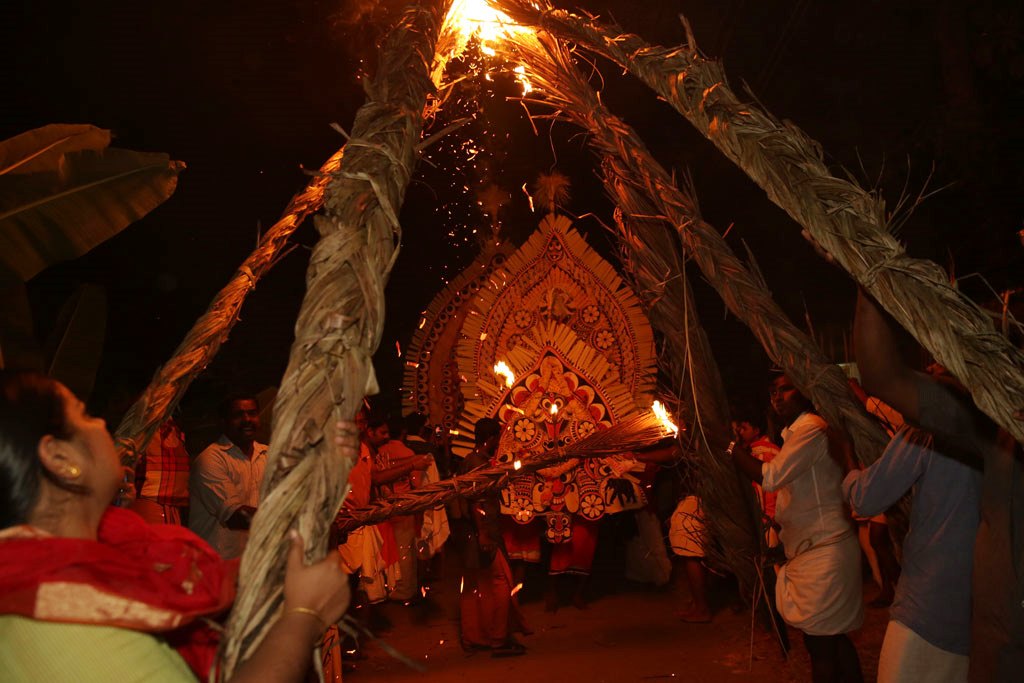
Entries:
{"x":92,"y":591}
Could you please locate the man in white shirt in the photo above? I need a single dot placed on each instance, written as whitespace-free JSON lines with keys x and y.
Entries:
{"x":224,"y":484}
{"x":819,"y":588}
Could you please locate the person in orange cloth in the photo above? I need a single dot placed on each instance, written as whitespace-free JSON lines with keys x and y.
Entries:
{"x":487,"y":604}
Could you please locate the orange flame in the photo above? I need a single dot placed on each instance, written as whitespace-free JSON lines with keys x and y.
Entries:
{"x":478,"y":19}
{"x":502,"y":369}
{"x":665,"y":418}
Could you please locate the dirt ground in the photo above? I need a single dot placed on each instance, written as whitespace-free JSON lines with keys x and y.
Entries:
{"x":628,"y":634}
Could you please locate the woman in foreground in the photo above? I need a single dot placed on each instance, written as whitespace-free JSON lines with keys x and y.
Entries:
{"x":92,"y":592}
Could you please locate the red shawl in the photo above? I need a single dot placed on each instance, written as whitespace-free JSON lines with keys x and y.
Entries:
{"x":143,"y":577}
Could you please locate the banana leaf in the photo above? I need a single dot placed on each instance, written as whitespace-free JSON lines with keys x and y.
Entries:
{"x":81,"y":194}
{"x":43,"y":149}
{"x":18,"y":347}
{"x":76,"y":345}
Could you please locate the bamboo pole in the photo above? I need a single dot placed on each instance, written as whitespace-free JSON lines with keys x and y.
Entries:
{"x":203,"y":341}
{"x":339,"y":326}
{"x":846,"y":220}
{"x":744,"y":293}
{"x":631,"y":435}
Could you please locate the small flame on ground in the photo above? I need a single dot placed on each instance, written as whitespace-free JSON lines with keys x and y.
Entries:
{"x":666,"y":419}
{"x":502,"y":369}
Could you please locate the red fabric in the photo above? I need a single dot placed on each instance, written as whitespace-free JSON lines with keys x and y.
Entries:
{"x":389,"y":545}
{"x":576,"y":556}
{"x":162,"y":472}
{"x":765,"y":451}
{"x":522,"y":541}
{"x":488,"y":610}
{"x":160,"y":566}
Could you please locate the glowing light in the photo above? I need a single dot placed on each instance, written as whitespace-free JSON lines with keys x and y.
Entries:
{"x":398,"y":348}
{"x":554,"y":409}
{"x":529,"y":197}
{"x":520,"y":72}
{"x":453,"y":432}
{"x":517,"y":465}
{"x":462,"y":584}
{"x":477,"y":18}
{"x":502,"y":369}
{"x":518,"y":588}
{"x":666,"y":419}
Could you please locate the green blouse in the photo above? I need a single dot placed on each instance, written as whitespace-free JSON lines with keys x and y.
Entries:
{"x":33,"y":651}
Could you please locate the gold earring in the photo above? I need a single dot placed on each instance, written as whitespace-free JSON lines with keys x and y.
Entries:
{"x":72,"y":472}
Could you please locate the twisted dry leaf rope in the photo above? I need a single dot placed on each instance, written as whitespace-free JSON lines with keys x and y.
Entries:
{"x":204,"y":340}
{"x":848,"y":222}
{"x":338,"y":328}
{"x":636,"y":173}
{"x":634,"y":434}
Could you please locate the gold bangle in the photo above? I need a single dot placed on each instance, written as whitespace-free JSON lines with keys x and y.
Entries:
{"x":311,"y":612}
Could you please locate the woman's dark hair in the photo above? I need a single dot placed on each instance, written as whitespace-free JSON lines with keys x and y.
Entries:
{"x":31,"y":407}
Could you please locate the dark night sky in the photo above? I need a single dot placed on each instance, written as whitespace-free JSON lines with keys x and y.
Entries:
{"x":244,"y":93}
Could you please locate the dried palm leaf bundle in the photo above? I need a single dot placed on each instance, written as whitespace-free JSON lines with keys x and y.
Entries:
{"x":655,"y":264}
{"x":339,"y":325}
{"x":632,"y":434}
{"x":635,"y":170}
{"x":204,"y":340}
{"x":849,"y":222}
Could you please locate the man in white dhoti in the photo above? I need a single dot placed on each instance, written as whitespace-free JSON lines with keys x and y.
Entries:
{"x":819,"y":588}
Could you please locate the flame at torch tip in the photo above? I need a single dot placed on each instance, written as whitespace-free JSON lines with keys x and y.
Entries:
{"x":666,"y":419}
{"x":476,"y":18}
{"x":502,"y":369}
